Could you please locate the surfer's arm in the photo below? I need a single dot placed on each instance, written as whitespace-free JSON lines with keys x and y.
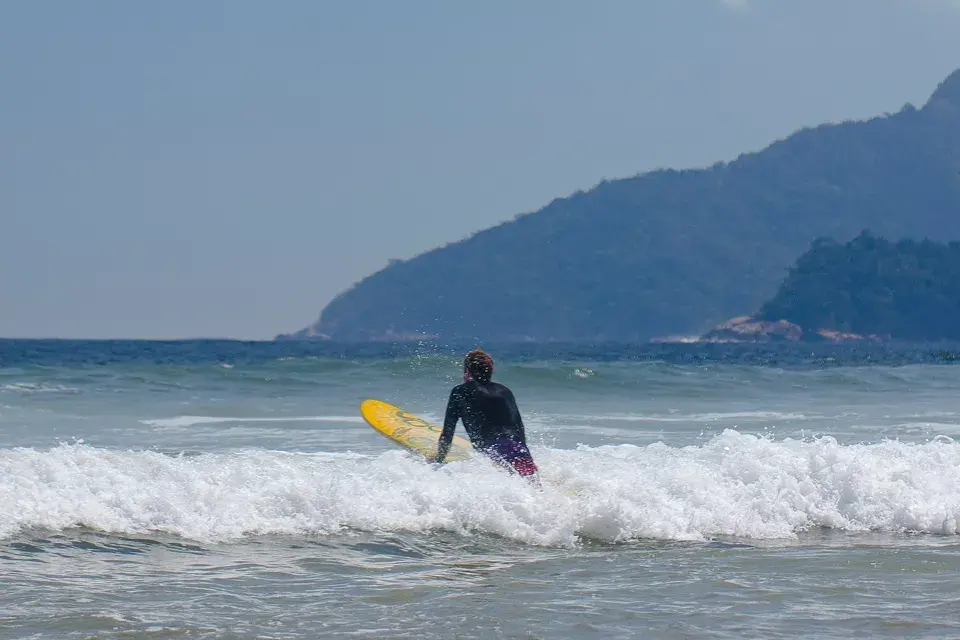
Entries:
{"x":449,"y":426}
{"x":518,"y":419}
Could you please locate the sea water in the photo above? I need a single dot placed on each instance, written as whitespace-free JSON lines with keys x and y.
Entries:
{"x":220,"y":489}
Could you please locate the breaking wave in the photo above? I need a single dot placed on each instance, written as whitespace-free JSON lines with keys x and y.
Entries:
{"x":739,"y":485}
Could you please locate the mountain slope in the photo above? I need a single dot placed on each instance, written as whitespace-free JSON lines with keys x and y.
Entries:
{"x":671,"y":251}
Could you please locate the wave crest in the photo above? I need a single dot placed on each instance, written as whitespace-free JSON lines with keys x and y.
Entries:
{"x":734,"y":485}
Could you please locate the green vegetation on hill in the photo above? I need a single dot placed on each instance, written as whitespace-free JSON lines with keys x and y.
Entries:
{"x":671,"y":251}
{"x":905,"y":290}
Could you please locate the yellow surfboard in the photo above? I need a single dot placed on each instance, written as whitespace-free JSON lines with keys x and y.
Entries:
{"x":410,"y":431}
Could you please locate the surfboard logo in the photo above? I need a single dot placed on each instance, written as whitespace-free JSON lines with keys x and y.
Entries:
{"x":414,"y":422}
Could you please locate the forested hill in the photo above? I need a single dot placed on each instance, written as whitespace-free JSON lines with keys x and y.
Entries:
{"x":904,"y":290}
{"x":671,"y":251}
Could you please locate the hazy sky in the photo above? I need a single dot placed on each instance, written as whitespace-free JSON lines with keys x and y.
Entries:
{"x":223,"y":168}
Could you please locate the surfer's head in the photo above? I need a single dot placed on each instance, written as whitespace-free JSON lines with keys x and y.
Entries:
{"x":478,"y":365}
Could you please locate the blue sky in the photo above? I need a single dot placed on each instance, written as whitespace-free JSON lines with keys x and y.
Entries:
{"x":223,"y":168}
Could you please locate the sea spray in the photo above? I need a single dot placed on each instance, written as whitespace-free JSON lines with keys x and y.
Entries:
{"x":735,"y":484}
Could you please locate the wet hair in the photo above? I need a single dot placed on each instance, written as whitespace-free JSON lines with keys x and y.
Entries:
{"x":480,"y":365}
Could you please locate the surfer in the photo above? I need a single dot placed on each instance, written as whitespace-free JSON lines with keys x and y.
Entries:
{"x":490,"y":416}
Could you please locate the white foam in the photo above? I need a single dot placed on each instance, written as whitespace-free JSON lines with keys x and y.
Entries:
{"x":705,"y":417}
{"x":188,"y":421}
{"x":736,"y":484}
{"x":939,"y":426}
{"x":33,"y":387}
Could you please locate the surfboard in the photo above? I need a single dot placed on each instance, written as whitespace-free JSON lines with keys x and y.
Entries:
{"x":410,"y":431}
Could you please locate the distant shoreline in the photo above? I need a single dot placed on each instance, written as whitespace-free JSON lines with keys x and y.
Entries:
{"x":684,"y":341}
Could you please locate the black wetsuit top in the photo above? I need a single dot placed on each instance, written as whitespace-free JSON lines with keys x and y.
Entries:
{"x":489,"y":412}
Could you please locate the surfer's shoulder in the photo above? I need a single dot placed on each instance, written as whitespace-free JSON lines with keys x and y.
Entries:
{"x":461,"y":389}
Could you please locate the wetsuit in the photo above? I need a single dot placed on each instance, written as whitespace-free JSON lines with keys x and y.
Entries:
{"x":492,"y":420}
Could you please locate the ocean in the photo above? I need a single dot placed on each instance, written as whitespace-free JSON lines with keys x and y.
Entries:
{"x":217,"y":489}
